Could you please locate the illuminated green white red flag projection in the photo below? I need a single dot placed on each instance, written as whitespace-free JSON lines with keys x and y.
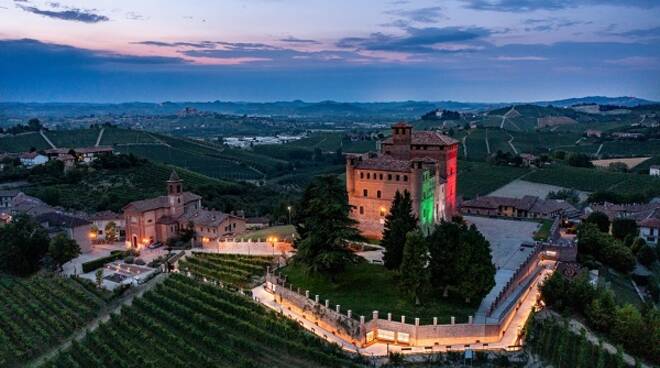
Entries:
{"x":264,"y":50}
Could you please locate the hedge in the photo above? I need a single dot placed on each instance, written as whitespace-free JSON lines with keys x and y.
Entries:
{"x":99,"y":262}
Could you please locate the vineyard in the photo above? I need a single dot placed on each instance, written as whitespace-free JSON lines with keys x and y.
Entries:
{"x":22,"y":142}
{"x":37,"y":313}
{"x":238,"y":270}
{"x":557,"y":345}
{"x":186,"y":323}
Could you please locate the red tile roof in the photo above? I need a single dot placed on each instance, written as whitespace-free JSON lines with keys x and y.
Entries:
{"x":428,"y":138}
{"x":383,"y":163}
{"x":159,"y":202}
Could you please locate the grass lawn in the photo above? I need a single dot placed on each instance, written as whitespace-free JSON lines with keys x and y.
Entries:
{"x":366,"y":287}
{"x":624,"y":292}
{"x":544,"y":231}
{"x":281,"y":232}
{"x":481,"y":178}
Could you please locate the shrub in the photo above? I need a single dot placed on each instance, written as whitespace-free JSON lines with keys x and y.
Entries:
{"x":140,"y":262}
{"x":129,"y":260}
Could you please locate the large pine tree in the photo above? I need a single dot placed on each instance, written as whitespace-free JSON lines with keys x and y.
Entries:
{"x":324,"y":227}
{"x":415,"y":275}
{"x":399,"y":222}
{"x":461,"y":260}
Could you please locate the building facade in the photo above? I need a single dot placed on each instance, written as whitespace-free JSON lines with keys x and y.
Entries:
{"x":422,"y":163}
{"x":525,"y":207}
{"x":158,"y":219}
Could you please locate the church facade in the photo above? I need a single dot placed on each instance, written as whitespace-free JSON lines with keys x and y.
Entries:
{"x":424,"y":163}
{"x":160,"y":218}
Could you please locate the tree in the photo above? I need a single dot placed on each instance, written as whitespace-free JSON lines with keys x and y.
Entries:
{"x":600,"y":312}
{"x":554,"y":290}
{"x":599,"y":219}
{"x":324,"y":227}
{"x":628,"y":323}
{"x":479,"y":275}
{"x":623,"y":227}
{"x":63,"y":249}
{"x":461,"y":260}
{"x":111,"y":231}
{"x":646,"y":255}
{"x":23,"y":243}
{"x":415,"y":274}
{"x":579,"y":160}
{"x":99,"y":277}
{"x":398,"y":223}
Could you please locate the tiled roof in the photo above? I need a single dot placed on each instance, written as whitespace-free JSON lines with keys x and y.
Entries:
{"x":61,"y":220}
{"x":527,"y":203}
{"x":401,"y":124}
{"x":383,"y":163}
{"x":159,"y":202}
{"x":28,"y":155}
{"x":98,"y":149}
{"x":209,"y":218}
{"x":428,"y":138}
{"x":638,"y":211}
{"x":657,"y":167}
{"x":105,"y":215}
{"x":653,"y":220}
{"x":257,"y":220}
{"x":9,"y":193}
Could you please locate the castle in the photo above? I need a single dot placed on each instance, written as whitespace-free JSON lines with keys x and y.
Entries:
{"x":424,"y":163}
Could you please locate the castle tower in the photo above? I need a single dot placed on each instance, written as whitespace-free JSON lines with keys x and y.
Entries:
{"x":175,"y":193}
{"x":401,"y":140}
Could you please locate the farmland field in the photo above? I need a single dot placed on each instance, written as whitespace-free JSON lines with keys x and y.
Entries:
{"x":480,"y":178}
{"x":22,"y":142}
{"x":73,"y":138}
{"x":113,"y":136}
{"x":238,"y":270}
{"x":186,"y":323}
{"x":592,"y":180}
{"x":37,"y":313}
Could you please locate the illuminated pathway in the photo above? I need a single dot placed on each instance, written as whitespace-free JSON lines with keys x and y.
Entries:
{"x":509,"y":339}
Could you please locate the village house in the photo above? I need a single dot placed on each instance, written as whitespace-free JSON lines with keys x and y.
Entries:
{"x":256,"y":223}
{"x":158,"y":219}
{"x":422,"y":163}
{"x":592,"y":133}
{"x":529,"y":159}
{"x":104,"y":220}
{"x":31,"y":159}
{"x":73,"y":227}
{"x":525,"y":207}
{"x":6,"y":199}
{"x":649,"y":228}
{"x":55,"y":220}
{"x":654,"y":170}
{"x":82,"y":154}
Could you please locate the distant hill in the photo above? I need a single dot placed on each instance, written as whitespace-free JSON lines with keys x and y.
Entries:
{"x":297,"y":108}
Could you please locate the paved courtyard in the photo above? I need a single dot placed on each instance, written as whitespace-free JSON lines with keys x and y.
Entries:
{"x":505,"y":237}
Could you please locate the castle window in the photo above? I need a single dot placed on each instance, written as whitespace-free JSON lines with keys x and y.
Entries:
{"x":178,"y":188}
{"x":365,"y":192}
{"x":178,"y":200}
{"x":368,"y":175}
{"x":382,"y":212}
{"x":361,"y":210}
{"x":361,"y":175}
{"x":380,"y":176}
{"x":397,"y":178}
{"x":389,"y":176}
{"x":405,"y":178}
{"x":378,"y":194}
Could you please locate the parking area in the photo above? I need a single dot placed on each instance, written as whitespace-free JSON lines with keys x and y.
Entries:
{"x":506,"y":237}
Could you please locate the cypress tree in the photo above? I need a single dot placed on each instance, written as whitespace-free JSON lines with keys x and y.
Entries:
{"x":398,"y":222}
{"x":414,"y":270}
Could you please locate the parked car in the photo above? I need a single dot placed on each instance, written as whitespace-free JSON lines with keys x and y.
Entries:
{"x":155,"y":245}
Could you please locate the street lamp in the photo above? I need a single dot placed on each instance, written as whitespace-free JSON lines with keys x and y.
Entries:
{"x":273,"y":240}
{"x":289,"y":209}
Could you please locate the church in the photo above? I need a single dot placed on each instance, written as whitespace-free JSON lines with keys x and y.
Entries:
{"x":422,"y":162}
{"x":160,"y":218}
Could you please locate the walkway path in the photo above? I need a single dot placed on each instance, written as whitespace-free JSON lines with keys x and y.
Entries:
{"x":510,"y":142}
{"x":599,"y":149}
{"x":98,"y":139}
{"x":487,"y":144}
{"x":43,"y":135}
{"x":104,"y":316}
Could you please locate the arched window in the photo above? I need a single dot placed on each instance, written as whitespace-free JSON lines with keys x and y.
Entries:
{"x":378,"y":194}
{"x":365,"y":192}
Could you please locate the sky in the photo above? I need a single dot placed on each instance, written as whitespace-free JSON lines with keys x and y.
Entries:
{"x":357,"y":50}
